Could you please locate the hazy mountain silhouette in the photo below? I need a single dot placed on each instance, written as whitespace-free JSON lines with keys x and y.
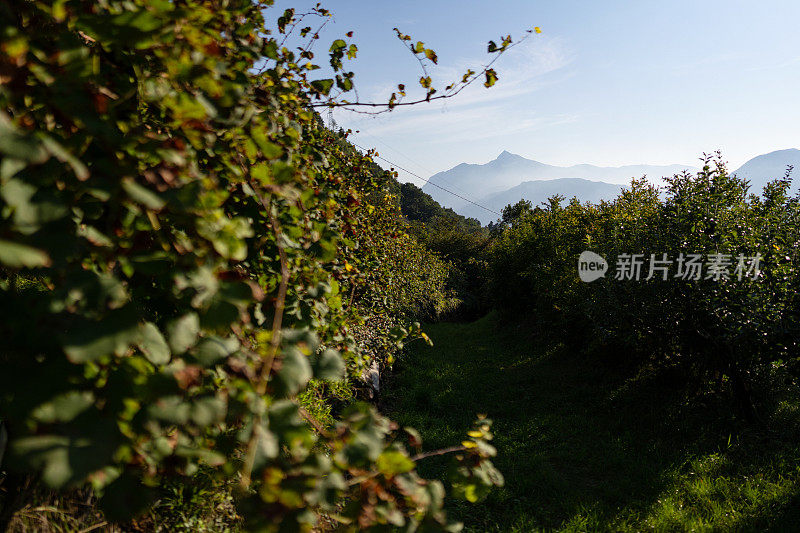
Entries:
{"x":509,"y":170}
{"x":510,"y":178}
{"x":539,"y":191}
{"x":767,"y":167}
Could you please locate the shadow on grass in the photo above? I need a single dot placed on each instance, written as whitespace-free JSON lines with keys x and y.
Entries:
{"x":585,"y":447}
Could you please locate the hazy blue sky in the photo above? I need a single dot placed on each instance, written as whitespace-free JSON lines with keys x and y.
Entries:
{"x":610,"y":83}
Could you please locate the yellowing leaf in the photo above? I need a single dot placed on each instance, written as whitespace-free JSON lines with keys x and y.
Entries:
{"x":390,"y":463}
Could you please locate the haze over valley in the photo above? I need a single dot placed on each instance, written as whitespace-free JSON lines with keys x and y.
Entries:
{"x":485,"y":189}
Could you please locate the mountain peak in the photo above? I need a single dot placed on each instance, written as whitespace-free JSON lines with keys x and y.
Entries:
{"x":508,"y":170}
{"x":505,"y":154}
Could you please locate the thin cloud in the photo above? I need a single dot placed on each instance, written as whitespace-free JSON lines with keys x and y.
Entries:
{"x":529,"y":60}
{"x":477,"y":112}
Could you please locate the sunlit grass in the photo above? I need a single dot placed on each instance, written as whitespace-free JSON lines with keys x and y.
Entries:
{"x":584,"y":447}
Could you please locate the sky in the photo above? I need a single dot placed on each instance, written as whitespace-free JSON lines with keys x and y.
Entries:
{"x":608,"y":83}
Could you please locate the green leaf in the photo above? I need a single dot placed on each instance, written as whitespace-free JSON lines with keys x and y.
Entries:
{"x":430,"y":54}
{"x":470,"y":492}
{"x":153,"y":345}
{"x":324,"y":249}
{"x":63,"y":155}
{"x":171,"y":409}
{"x":271,"y":50}
{"x":95,"y":236}
{"x":283,"y":172}
{"x":18,"y":255}
{"x":345,"y":84}
{"x":91,"y":290}
{"x":69,"y":458}
{"x":133,"y":28}
{"x":183,"y":332}
{"x":322,"y":86}
{"x":142,"y":20}
{"x":212,"y":349}
{"x":18,"y":145}
{"x":10,"y":166}
{"x":63,"y":407}
{"x":369,"y":430}
{"x":328,"y":365}
{"x":32,"y":207}
{"x":267,"y":447}
{"x":151,"y":262}
{"x":261,"y":172}
{"x":491,"y":78}
{"x":294,"y":373}
{"x":227,"y":235}
{"x":285,"y":420}
{"x":269,"y":149}
{"x":207,"y":411}
{"x":393,"y":462}
{"x":17,"y":192}
{"x":46,"y":453}
{"x":87,"y":341}
{"x":142,"y":195}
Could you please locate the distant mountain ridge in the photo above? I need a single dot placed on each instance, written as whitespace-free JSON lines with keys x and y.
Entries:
{"x":767,"y":167}
{"x":510,"y":177}
{"x":539,"y":191}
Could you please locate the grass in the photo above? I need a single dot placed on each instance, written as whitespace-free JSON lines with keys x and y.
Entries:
{"x":200,"y":506}
{"x":587,"y":447}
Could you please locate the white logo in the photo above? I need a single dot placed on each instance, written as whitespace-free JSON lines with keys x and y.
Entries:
{"x":591,"y":266}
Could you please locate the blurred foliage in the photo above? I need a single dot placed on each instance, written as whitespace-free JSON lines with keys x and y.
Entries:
{"x":188,"y":258}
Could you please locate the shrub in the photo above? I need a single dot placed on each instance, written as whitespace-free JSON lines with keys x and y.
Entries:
{"x":183,"y":248}
{"x":734,"y":329}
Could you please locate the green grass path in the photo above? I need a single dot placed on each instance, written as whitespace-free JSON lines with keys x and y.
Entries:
{"x":583,"y":447}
